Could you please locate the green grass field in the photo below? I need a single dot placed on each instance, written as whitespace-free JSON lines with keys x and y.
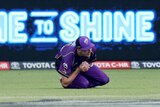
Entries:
{"x":32,"y":85}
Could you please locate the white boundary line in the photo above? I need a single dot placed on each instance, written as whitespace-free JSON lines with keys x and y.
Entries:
{"x":149,"y":96}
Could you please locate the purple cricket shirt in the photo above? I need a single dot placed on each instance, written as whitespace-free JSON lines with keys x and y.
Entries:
{"x":70,"y":60}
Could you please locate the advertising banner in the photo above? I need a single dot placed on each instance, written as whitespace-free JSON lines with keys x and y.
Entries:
{"x":145,"y":64}
{"x":4,"y":66}
{"x":135,"y":65}
{"x":129,"y":28}
{"x":113,"y":64}
{"x":150,"y":64}
{"x":32,"y":65}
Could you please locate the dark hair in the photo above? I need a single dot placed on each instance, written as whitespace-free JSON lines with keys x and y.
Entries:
{"x":77,"y":42}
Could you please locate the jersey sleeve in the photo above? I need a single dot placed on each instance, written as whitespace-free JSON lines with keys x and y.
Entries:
{"x":64,"y":68}
{"x":67,"y":53}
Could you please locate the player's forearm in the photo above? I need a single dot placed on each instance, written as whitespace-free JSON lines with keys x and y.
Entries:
{"x":66,"y":81}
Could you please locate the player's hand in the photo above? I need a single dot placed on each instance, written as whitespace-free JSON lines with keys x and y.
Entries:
{"x":84,"y":66}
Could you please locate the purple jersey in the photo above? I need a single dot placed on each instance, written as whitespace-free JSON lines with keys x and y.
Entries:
{"x":69,"y":60}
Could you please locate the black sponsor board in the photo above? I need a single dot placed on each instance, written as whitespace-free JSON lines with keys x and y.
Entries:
{"x":15,"y":65}
{"x":32,"y":65}
{"x":135,"y":65}
{"x":145,"y":64}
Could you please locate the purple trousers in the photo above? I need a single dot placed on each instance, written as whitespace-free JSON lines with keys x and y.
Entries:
{"x":91,"y":78}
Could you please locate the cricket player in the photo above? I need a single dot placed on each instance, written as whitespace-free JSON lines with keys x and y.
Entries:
{"x":74,"y":63}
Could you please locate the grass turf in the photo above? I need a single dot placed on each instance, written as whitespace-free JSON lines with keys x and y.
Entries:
{"x":18,"y":85}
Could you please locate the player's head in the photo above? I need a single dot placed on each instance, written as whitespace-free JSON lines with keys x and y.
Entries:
{"x":84,"y":46}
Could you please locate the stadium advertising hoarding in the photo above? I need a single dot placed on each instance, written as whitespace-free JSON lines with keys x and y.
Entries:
{"x":128,"y":64}
{"x":31,"y":29}
{"x":113,"y":64}
{"x":32,"y":65}
{"x":4,"y":65}
{"x":100,"y":29}
{"x":51,"y":65}
{"x":145,"y":64}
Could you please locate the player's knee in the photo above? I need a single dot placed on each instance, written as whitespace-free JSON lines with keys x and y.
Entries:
{"x":105,"y":80}
{"x":84,"y":84}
